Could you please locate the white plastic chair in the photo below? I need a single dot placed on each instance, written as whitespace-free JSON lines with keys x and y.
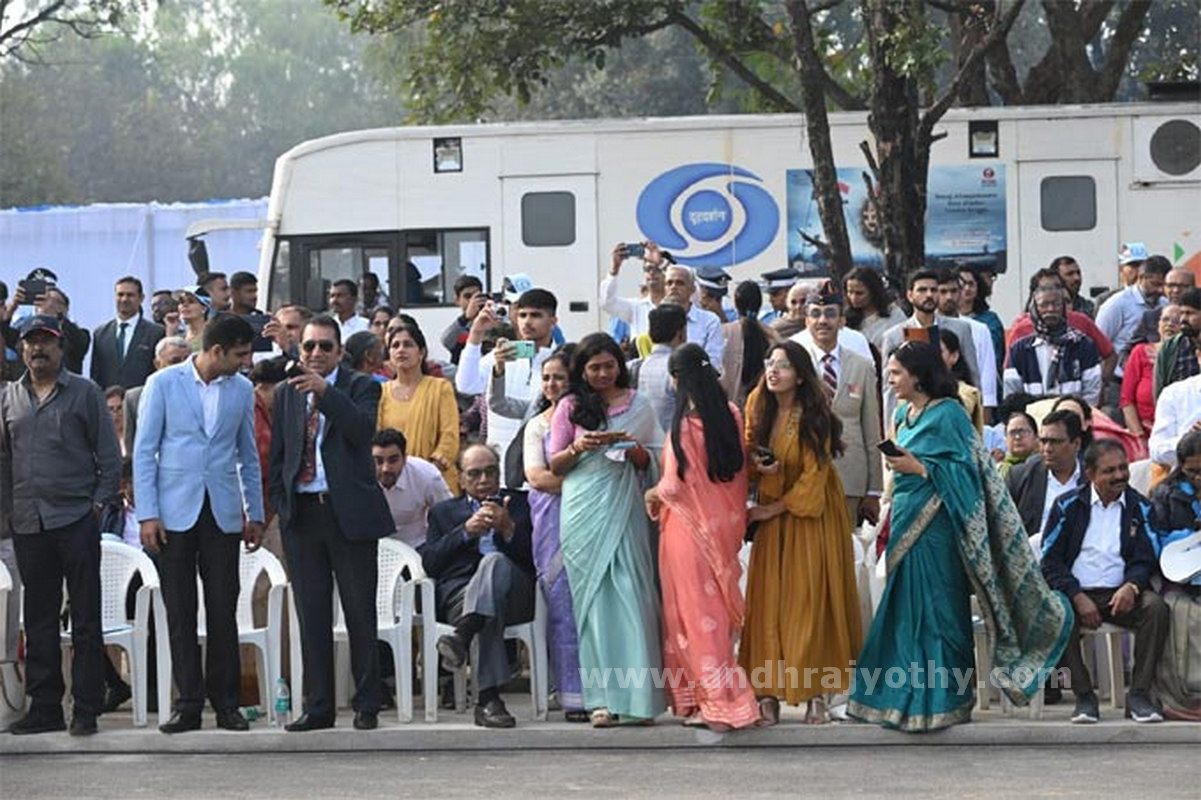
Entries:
{"x":1110,"y":671}
{"x":119,"y":562}
{"x":6,"y":587}
{"x":533,"y":635}
{"x":1140,"y":476}
{"x":266,"y":641}
{"x":395,"y":604}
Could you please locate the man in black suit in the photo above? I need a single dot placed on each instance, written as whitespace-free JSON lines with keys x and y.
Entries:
{"x":123,"y":348}
{"x":479,"y":552}
{"x":332,"y":514}
{"x":1035,"y":483}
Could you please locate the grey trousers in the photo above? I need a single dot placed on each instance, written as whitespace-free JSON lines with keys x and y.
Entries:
{"x":503,"y":594}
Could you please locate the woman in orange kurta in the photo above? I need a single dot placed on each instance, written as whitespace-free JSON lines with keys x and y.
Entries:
{"x":700,"y":503}
{"x":802,"y":626}
{"x":420,"y":406}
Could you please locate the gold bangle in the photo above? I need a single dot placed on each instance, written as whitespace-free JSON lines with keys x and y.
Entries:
{"x":1134,"y":586}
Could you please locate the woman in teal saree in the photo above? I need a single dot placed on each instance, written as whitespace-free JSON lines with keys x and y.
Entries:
{"x":954,"y":532}
{"x":605,"y":439}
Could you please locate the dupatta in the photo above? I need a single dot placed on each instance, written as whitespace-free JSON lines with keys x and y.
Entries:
{"x":1028,"y":623}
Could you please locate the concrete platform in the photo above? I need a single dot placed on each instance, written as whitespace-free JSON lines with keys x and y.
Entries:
{"x":456,"y":732}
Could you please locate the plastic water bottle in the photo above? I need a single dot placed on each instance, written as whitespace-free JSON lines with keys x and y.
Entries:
{"x":283,"y":701}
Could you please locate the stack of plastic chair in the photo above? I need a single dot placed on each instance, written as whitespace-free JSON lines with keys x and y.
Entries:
{"x":119,"y":562}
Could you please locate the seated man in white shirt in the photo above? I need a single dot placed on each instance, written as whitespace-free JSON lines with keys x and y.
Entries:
{"x":1177,"y":411}
{"x":412,"y":486}
{"x":1098,"y":550}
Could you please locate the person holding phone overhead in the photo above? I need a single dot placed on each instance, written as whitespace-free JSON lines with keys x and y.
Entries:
{"x":604,"y":529}
{"x":955,"y":531}
{"x":802,"y":602}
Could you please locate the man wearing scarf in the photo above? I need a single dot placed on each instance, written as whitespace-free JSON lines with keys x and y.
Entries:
{"x":1055,"y":359}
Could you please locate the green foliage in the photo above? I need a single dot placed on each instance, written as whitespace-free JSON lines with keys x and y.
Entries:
{"x":196,"y":102}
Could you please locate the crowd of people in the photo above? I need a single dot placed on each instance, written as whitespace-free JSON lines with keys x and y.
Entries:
{"x":624,"y":477}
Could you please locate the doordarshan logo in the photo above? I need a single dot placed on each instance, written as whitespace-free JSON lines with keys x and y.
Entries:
{"x":705,"y":221}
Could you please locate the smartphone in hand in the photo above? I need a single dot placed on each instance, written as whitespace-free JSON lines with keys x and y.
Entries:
{"x":889,"y":448}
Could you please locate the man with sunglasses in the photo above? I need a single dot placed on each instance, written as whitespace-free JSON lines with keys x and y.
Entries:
{"x":332,"y":514}
{"x":479,"y":552}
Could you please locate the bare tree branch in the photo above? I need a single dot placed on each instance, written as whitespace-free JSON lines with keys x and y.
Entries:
{"x":1004,"y":75}
{"x":1130,"y":25}
{"x":1001,"y":27}
{"x":730,"y":60}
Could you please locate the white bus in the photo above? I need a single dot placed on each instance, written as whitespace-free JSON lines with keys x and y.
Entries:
{"x":420,"y":206}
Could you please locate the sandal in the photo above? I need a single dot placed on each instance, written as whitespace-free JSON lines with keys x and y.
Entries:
{"x":816,"y":713}
{"x":769,"y":707}
{"x":602,"y":718}
{"x":578,"y":715}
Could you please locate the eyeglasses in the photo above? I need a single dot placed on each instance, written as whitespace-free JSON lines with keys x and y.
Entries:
{"x":777,"y":365}
{"x":326,"y":345}
{"x":1051,"y":440}
{"x":1019,"y":433}
{"x":1175,"y":285}
{"x":482,"y":472}
{"x":651,"y":268}
{"x":817,"y":312}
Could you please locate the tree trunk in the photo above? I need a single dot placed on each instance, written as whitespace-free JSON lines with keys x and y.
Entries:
{"x":837,"y":246}
{"x":901,"y":164}
{"x":966,"y":35}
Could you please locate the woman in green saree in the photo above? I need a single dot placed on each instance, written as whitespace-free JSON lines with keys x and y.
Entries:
{"x":605,"y":439}
{"x":954,"y":532}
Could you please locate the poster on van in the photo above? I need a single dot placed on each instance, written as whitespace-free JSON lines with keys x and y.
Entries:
{"x":965,"y":219}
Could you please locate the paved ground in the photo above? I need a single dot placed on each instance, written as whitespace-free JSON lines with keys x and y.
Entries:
{"x":1115,"y":771}
{"x":455,"y":732}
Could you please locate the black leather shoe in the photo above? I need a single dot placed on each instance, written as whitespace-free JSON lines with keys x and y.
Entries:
{"x":83,"y":724}
{"x":181,"y":722}
{"x":115,"y":697}
{"x":453,"y":649}
{"x":493,"y":714}
{"x":232,"y":720}
{"x":366,"y":720}
{"x":38,"y":722}
{"x":307,"y":722}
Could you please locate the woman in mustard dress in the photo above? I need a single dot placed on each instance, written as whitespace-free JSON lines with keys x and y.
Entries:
{"x":802,"y":627}
{"x":420,"y":406}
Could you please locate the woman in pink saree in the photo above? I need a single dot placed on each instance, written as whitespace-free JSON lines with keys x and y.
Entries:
{"x":700,"y":503}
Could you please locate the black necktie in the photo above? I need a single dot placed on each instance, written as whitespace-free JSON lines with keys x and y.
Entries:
{"x":121,"y":341}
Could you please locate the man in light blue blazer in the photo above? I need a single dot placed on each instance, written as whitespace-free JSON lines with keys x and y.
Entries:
{"x":198,"y":488}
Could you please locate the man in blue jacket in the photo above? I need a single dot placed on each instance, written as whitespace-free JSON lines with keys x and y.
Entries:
{"x":1098,"y":550}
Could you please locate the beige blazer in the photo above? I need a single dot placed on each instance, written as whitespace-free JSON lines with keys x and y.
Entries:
{"x":857,"y":404}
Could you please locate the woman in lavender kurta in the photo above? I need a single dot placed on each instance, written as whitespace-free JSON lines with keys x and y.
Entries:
{"x":544,"y":498}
